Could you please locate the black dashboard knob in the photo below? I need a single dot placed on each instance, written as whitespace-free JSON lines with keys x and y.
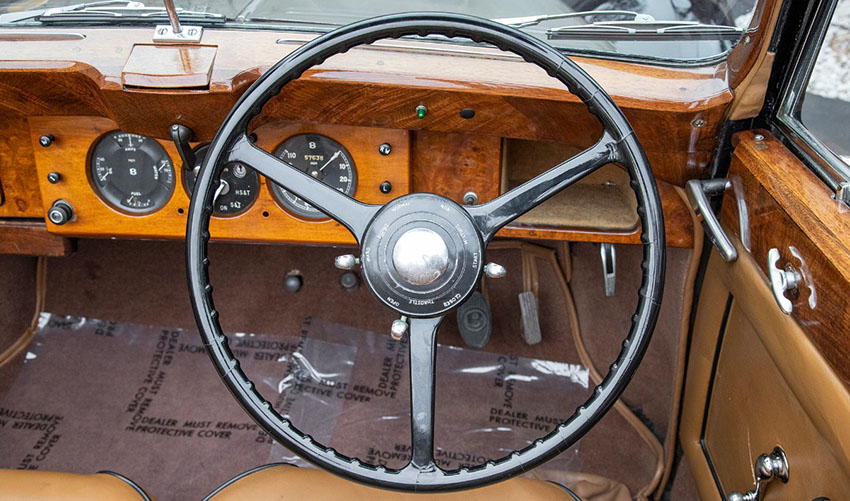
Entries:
{"x":60,"y":213}
{"x":46,"y":140}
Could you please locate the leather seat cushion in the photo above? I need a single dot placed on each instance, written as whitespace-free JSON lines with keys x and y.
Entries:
{"x":26,"y":485}
{"x":283,"y":482}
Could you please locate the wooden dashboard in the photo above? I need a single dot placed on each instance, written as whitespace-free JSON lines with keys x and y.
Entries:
{"x":78,"y":84}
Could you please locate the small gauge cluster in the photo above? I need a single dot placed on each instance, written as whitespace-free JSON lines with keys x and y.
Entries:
{"x":131,"y":172}
{"x":134,"y":174}
{"x":238,"y":186}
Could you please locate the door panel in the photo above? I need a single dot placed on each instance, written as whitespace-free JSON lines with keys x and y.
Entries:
{"x":756,"y":377}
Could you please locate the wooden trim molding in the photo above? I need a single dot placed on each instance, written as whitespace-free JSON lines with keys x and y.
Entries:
{"x":676,"y":112}
{"x":787,"y":207}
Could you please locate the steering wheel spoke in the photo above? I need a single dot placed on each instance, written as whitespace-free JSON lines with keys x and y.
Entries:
{"x":351,"y":213}
{"x":491,"y":216}
{"x":423,"y":361}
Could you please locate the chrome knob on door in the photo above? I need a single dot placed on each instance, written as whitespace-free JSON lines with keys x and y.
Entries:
{"x":782,"y":280}
{"x":766,"y":468}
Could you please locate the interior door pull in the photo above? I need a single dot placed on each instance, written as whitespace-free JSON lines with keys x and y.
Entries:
{"x":698,"y":192}
{"x":781,"y":280}
{"x":766,"y":468}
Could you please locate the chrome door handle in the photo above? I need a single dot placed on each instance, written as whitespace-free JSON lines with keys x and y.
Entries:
{"x":766,"y":468}
{"x":698,"y":192}
{"x":782,"y":280}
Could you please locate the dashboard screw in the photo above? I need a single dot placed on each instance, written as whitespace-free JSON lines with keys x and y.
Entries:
{"x":46,"y":140}
{"x":53,"y":177}
{"x":470,"y":198}
{"x":386,"y":187}
{"x":758,"y":137}
{"x":385,"y":149}
{"x":698,"y":122}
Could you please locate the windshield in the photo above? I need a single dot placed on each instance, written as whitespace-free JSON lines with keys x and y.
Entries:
{"x":680,"y":30}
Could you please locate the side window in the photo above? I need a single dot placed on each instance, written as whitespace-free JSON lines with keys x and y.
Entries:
{"x":816,"y":103}
{"x":825,"y":105}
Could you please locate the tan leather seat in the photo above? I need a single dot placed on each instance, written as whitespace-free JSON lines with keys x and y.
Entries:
{"x":283,"y":482}
{"x":26,"y":485}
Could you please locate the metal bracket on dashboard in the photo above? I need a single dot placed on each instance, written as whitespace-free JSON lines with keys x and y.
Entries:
{"x":175,"y":33}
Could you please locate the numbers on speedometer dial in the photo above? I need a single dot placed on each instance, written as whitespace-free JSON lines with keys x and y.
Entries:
{"x":318,"y":156}
{"x":131,"y":172}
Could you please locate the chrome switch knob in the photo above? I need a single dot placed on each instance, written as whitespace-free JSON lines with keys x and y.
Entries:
{"x":346,"y":262}
{"x":399,"y":328}
{"x":494,"y":270}
{"x":60,"y":213}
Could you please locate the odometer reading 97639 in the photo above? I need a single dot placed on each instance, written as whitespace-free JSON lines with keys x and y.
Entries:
{"x":131,"y":172}
{"x":324,"y":159}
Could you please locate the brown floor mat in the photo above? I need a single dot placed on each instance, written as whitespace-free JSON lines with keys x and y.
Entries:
{"x":145,"y":282}
{"x":144,"y":401}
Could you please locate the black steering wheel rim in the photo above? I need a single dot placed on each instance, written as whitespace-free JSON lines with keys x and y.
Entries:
{"x":621,"y":147}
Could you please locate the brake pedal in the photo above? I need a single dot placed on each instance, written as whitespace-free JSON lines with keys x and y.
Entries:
{"x":474,"y":321}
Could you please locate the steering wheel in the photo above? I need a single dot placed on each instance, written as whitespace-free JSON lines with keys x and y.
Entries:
{"x":422,"y":254}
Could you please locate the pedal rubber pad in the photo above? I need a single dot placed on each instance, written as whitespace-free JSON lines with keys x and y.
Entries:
{"x":530,"y":320}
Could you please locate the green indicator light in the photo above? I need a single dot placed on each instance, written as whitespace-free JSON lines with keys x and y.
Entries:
{"x":421,"y":111}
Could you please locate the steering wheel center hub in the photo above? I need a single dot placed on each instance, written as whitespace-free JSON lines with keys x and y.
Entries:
{"x":422,"y":255}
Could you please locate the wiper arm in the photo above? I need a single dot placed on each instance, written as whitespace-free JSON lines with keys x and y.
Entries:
{"x":121,"y":11}
{"x":645,"y":30}
{"x":525,"y":21}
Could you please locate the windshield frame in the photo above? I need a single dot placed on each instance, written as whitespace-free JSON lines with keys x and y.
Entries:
{"x":240,"y":22}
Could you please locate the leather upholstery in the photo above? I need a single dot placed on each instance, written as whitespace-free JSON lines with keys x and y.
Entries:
{"x":34,"y":485}
{"x":282,"y":482}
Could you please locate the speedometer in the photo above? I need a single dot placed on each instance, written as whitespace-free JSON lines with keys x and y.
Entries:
{"x":131,"y":172}
{"x":324,"y":159}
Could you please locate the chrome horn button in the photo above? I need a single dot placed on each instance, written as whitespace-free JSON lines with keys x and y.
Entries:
{"x":420,"y":256}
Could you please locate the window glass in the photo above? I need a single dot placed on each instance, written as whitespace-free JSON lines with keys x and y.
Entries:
{"x":825,"y":106}
{"x":684,"y":31}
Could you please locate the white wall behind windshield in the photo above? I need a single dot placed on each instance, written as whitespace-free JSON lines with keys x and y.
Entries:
{"x":325,"y":14}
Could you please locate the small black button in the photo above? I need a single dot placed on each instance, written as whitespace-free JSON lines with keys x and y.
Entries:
{"x":349,"y":281}
{"x":53,"y":177}
{"x":385,"y":149}
{"x":467,"y":113}
{"x":386,"y":187}
{"x":46,"y":140}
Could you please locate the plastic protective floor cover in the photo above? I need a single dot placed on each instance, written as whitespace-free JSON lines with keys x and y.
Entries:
{"x":146,"y":402}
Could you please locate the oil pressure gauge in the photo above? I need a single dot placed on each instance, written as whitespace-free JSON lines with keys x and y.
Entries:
{"x":131,"y":172}
{"x":318,"y":156}
{"x":237,"y":188}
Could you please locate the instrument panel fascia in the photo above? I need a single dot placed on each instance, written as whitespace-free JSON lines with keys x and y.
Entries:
{"x":263,"y":221}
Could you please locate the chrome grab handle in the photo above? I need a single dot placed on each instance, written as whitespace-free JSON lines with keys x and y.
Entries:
{"x":766,"y":468}
{"x":698,"y":192}
{"x":782,"y":280}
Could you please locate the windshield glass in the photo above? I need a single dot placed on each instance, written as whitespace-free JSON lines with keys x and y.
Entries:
{"x":681,"y":30}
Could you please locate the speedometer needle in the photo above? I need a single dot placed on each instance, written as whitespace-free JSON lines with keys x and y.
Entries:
{"x":329,"y":161}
